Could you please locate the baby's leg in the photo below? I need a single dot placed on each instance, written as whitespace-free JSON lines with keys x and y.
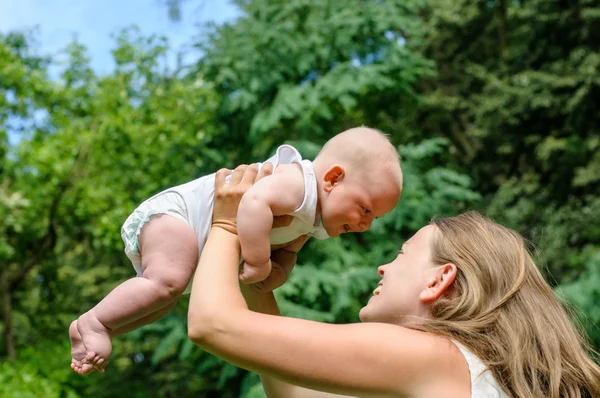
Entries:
{"x":155,"y":316}
{"x":169,"y":253}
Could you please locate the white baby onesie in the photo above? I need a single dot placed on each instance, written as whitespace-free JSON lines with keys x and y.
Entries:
{"x":192,"y":203}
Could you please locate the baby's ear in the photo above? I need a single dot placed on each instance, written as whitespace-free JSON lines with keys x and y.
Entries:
{"x":333,"y":175}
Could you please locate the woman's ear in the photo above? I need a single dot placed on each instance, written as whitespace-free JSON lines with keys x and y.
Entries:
{"x":439,"y":283}
{"x":333,"y":175}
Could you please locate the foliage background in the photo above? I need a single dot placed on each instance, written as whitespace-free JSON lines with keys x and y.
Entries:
{"x":494,"y":106}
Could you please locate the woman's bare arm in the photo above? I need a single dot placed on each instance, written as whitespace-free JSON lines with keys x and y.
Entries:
{"x":274,"y":388}
{"x":367,"y":360}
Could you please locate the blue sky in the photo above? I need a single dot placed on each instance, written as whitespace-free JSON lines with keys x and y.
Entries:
{"x":94,"y":21}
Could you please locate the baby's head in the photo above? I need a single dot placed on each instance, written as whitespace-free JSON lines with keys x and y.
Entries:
{"x":358,"y":179}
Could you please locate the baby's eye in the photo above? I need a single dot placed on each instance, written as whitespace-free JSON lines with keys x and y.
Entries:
{"x":366,"y":211}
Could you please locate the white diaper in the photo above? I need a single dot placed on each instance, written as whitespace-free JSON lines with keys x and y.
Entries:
{"x":166,"y":202}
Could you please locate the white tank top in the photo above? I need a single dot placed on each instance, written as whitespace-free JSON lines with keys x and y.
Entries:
{"x":483,"y":383}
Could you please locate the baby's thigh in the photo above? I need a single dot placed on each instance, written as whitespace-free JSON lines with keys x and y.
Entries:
{"x":169,"y":250}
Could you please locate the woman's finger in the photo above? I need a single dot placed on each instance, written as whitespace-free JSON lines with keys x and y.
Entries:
{"x":250,"y":174}
{"x":237,"y":175}
{"x":265,"y":170}
{"x":220,"y":178}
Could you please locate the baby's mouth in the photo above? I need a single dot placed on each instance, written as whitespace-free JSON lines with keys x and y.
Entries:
{"x":346,"y":228}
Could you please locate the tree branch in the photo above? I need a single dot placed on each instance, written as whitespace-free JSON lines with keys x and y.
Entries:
{"x":47,"y":243}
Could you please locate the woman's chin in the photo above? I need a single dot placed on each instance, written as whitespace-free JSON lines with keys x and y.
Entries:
{"x":365,"y":314}
{"x":373,"y":312}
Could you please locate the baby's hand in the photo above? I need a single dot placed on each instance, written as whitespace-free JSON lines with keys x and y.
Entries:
{"x":281,"y":265}
{"x":252,"y":273}
{"x":283,"y":261}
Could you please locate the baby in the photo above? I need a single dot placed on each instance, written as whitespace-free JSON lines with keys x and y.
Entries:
{"x":355,"y":178}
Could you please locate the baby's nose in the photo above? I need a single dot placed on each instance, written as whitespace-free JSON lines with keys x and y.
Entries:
{"x":365,"y":224}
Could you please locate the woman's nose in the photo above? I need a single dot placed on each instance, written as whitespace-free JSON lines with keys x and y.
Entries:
{"x":381,"y":270}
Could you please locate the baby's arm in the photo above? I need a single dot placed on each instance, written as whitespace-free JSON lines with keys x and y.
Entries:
{"x":277,"y":194}
{"x":283,"y":261}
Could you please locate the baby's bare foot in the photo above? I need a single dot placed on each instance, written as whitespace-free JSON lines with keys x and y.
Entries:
{"x":78,"y":350}
{"x":96,"y":339}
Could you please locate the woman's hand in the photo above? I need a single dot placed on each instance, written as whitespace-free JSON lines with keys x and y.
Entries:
{"x":228,"y":195}
{"x":227,"y":199}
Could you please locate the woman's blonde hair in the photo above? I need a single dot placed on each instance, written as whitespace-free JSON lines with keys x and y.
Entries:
{"x":502,"y":309}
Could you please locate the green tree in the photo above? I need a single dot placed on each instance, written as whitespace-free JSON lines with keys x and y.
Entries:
{"x":100,"y":147}
{"x":310,"y":69}
{"x":516,"y":94}
{"x":495,"y":97}
{"x":28,"y":233}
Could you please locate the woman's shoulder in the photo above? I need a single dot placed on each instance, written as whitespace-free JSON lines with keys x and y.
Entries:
{"x":436,"y":365}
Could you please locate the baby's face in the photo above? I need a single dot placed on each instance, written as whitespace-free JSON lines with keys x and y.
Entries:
{"x":351,"y":205}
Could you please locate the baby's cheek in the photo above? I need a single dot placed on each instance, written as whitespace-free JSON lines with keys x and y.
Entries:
{"x":355,"y":218}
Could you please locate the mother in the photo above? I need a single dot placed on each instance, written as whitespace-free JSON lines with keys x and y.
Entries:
{"x":462,"y":311}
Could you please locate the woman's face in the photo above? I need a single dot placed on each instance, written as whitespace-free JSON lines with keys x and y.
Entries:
{"x":409,"y":283}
